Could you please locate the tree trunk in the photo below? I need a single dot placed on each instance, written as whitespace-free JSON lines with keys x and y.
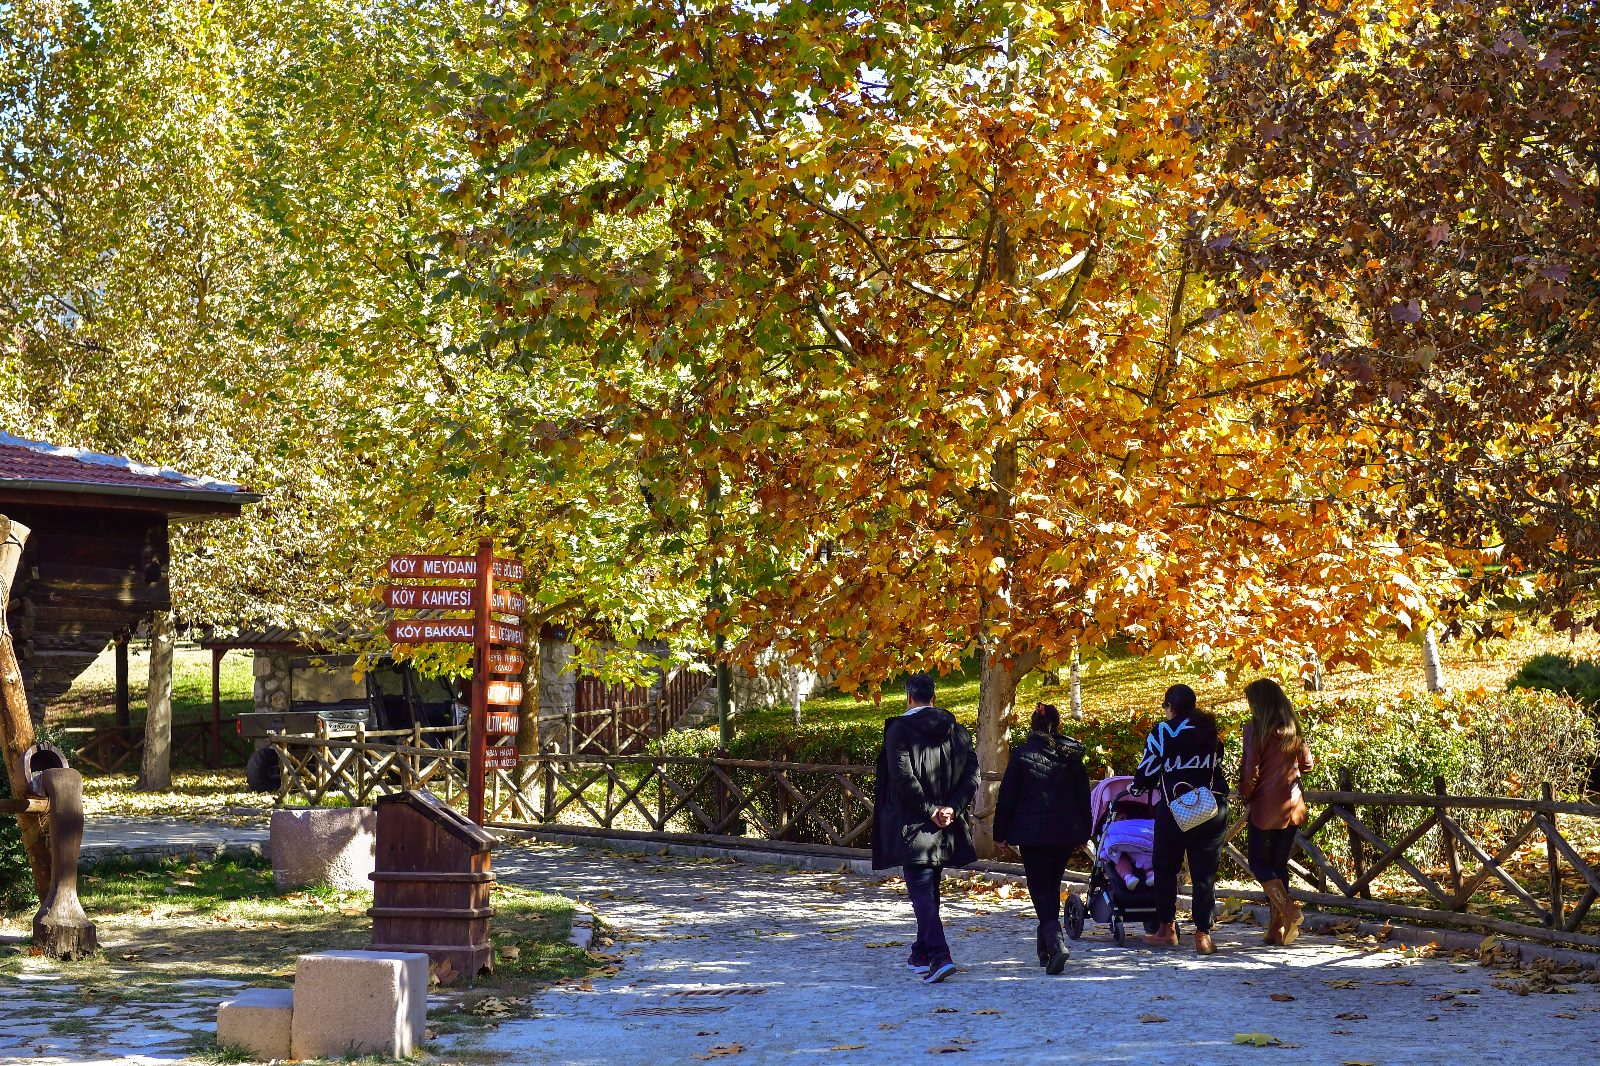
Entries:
{"x":528,"y":776}
{"x":155,"y":768}
{"x":16,"y":725}
{"x":1075,"y":693}
{"x":793,"y":673}
{"x":1432,"y":667}
{"x":998,"y":676}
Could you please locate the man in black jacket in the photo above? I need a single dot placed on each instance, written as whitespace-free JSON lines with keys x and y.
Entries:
{"x":926,"y":781}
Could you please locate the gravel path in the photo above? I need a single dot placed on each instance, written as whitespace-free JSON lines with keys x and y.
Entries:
{"x":758,"y":964}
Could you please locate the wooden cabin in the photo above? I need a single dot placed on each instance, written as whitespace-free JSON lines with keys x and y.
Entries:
{"x":95,"y":563}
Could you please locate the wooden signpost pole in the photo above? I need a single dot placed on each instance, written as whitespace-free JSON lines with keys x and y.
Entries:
{"x":478,"y":725}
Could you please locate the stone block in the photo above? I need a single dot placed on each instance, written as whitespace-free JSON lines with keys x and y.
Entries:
{"x":257,"y":1020}
{"x":359,"y":1003}
{"x":333,"y":846}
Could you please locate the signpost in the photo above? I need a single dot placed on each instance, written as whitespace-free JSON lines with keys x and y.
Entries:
{"x":497,"y":644}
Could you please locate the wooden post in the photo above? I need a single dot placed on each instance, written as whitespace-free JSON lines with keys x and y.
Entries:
{"x":478,"y":739}
{"x":1358,"y":853}
{"x":60,"y":928}
{"x":414,"y":760}
{"x":549,"y":789}
{"x":215,"y":761}
{"x":1553,"y":859}
{"x":121,"y":643}
{"x":16,"y":727}
{"x":361,"y":764}
{"x":1448,"y":839}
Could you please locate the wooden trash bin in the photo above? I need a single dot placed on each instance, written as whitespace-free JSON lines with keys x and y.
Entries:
{"x":431,"y":884}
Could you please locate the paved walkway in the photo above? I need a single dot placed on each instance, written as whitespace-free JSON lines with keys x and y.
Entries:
{"x":786,"y":966}
{"x":759,"y":964}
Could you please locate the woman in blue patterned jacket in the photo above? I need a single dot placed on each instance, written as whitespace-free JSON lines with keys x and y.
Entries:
{"x":1183,"y":755}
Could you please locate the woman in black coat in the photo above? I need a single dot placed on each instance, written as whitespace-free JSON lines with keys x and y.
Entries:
{"x":1043,"y":812}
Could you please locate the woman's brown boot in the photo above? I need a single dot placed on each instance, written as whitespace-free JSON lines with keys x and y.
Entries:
{"x":1288,"y":911}
{"x":1203,"y":944}
{"x":1164,"y":937}
{"x":1272,"y":928}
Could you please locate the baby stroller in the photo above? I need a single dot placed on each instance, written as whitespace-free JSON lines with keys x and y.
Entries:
{"x":1110,"y":900}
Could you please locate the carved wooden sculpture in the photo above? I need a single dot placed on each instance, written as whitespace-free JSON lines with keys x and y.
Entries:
{"x":61,"y":929}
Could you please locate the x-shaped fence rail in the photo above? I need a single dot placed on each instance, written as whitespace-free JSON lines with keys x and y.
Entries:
{"x":1516,"y":865}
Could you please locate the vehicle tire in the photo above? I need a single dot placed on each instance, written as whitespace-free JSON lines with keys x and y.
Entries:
{"x":1075,"y":914}
{"x":263,"y":771}
{"x":1119,"y":931}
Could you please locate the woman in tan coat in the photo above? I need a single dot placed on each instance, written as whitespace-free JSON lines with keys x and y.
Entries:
{"x":1275,"y":755}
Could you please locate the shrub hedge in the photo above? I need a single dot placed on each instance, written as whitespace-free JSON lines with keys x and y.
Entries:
{"x":1577,"y":678}
{"x":1481,"y":743}
{"x":16,"y":875}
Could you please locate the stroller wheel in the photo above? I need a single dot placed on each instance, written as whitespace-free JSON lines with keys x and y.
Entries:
{"x":1151,"y":925}
{"x":1119,"y":931}
{"x":1075,"y":915}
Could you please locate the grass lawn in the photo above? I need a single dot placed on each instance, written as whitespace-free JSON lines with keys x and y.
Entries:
{"x":167,"y":927}
{"x":92,"y":699}
{"x":1121,"y":686}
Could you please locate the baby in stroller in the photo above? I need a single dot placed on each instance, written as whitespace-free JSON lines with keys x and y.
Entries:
{"x":1128,"y":845}
{"x":1122,"y":881}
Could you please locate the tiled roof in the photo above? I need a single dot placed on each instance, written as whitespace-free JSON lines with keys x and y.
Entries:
{"x":42,"y":465}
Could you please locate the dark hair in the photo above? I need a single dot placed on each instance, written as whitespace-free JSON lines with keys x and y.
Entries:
{"x":1180,"y":699}
{"x":1272,"y":715}
{"x":919,"y":687}
{"x":1046,"y":718}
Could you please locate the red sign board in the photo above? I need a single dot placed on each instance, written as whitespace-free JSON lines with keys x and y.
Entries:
{"x":450,"y":566}
{"x":500,"y":758}
{"x":434,"y":631}
{"x":449,"y":597}
{"x":502,"y":723}
{"x":430,"y":597}
{"x":502,"y":634}
{"x":505,"y":661}
{"x":505,"y":693}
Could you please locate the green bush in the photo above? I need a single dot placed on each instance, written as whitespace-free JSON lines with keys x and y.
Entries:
{"x":1490,"y":744}
{"x":1577,"y":678}
{"x":16,"y":875}
{"x":1482,"y":744}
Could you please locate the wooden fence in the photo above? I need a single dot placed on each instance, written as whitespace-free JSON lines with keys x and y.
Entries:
{"x":112,"y":749}
{"x":617,"y":719}
{"x":1520,"y":866}
{"x":364,"y":764}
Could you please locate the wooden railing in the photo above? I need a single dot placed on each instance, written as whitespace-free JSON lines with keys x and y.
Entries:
{"x":1513,"y":865}
{"x":110,"y":749}
{"x":362,"y":765}
{"x":618,"y":719}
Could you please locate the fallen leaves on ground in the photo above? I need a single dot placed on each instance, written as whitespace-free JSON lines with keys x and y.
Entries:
{"x":1341,"y":982}
{"x":847,"y":1047}
{"x":1257,"y":1039}
{"x":720,"y":1051}
{"x":1281,"y":997}
{"x":1151,"y":1019}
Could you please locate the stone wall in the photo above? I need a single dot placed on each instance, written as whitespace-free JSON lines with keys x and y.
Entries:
{"x":754,"y":689}
{"x":272,"y":680}
{"x":558,"y":685}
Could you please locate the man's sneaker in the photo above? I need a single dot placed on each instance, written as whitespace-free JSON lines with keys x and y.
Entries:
{"x":939,"y":971}
{"x":918,"y":963}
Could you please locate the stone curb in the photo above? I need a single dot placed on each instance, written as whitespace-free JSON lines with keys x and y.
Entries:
{"x":582,"y":935}
{"x":106,"y":853}
{"x":1453,"y":940}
